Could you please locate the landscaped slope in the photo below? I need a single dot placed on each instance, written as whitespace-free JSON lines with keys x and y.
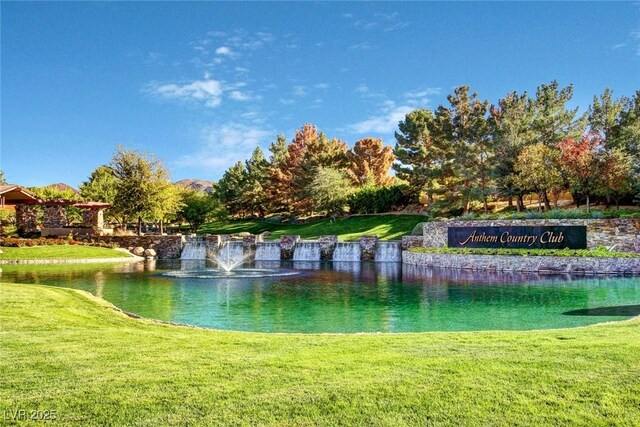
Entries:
{"x":62,"y":350}
{"x":60,"y":252}
{"x":387,"y":227}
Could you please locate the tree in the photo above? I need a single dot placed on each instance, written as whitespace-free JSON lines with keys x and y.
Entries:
{"x":616,"y":176}
{"x":552,"y":121}
{"x":511,"y":123}
{"x":330,"y":190}
{"x":101,"y":186}
{"x":199,"y":207}
{"x":2,"y":178}
{"x":470,"y":137}
{"x":291,"y":179}
{"x":369,"y":162}
{"x":141,"y":180}
{"x":231,"y":188}
{"x":538,"y":170}
{"x":254,"y":197}
{"x":165,"y":202}
{"x":420,"y":161}
{"x":582,"y":161}
{"x":604,"y":117}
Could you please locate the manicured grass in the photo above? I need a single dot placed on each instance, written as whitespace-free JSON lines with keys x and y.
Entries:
{"x":387,"y":227}
{"x":59,"y":252}
{"x":65,"y":351}
{"x":599,"y":252}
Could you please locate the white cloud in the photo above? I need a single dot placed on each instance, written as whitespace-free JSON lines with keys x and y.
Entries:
{"x":223,"y":50}
{"x":300,"y":90}
{"x":618,"y":46}
{"x":207,"y":91}
{"x":236,"y":95}
{"x":321,"y":86}
{"x":226,"y":144}
{"x":423,"y":92}
{"x":242,"y":70}
{"x":384,"y":122}
{"x":284,"y":101}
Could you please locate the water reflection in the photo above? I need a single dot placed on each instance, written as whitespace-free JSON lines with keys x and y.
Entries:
{"x":346,"y":296}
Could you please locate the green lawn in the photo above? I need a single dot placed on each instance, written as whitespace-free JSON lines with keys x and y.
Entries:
{"x":65,"y":351}
{"x":387,"y":227}
{"x":59,"y":252}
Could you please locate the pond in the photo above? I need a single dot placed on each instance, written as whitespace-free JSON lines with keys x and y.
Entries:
{"x":344,"y":296}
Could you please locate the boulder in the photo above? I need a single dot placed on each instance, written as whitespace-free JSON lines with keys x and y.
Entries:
{"x":150,"y":253}
{"x":138,"y":251}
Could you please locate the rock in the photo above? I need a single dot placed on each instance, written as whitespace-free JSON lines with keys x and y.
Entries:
{"x":138,"y":251}
{"x":150,"y":253}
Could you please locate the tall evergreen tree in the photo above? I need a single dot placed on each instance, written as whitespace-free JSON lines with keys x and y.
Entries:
{"x":231,"y":187}
{"x":511,"y":123}
{"x":254,"y":197}
{"x":471,"y":141}
{"x":419,"y":158}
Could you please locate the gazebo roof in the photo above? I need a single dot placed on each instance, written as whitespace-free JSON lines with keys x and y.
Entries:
{"x":15,"y":195}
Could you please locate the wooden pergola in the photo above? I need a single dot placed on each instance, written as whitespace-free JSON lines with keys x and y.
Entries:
{"x":55,"y":221}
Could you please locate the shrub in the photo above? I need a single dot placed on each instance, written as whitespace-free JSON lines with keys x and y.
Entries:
{"x":367,"y":200}
{"x":600,"y":252}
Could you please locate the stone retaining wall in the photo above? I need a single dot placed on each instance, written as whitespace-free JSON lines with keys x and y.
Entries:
{"x":535,"y":264}
{"x":165,"y":246}
{"x":623,"y":234}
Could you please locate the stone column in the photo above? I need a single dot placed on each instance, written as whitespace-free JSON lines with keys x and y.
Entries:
{"x":26,"y":219}
{"x":287,"y":245}
{"x":212,"y":243}
{"x":93,"y":218}
{"x":327,"y":247}
{"x":249,"y":246}
{"x":368,"y":248}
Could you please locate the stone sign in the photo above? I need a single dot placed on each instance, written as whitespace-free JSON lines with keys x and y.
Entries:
{"x":527,"y":237}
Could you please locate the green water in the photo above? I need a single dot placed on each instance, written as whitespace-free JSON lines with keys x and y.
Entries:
{"x":347,"y":297}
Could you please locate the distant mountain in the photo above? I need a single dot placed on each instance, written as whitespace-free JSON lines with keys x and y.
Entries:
{"x":62,"y":187}
{"x":196,"y":184}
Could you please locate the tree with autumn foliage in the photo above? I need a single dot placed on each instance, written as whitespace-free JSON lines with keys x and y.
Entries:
{"x":617,"y":175}
{"x":291,"y":179}
{"x":582,"y":161}
{"x":369,"y":163}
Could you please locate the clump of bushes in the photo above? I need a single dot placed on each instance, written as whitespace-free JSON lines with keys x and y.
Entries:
{"x":368,"y":200}
{"x":599,"y":252}
{"x":573,"y":213}
{"x":14,"y":242}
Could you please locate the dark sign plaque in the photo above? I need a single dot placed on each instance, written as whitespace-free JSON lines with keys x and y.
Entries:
{"x":528,"y":237}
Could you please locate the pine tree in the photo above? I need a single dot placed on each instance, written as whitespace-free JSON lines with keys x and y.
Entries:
{"x":511,"y":124}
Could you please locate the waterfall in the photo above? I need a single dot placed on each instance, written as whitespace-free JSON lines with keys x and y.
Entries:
{"x":388,"y":252}
{"x":268,"y":251}
{"x":347,"y":251}
{"x":306,"y":251}
{"x":194,"y":248}
{"x":231,"y":252}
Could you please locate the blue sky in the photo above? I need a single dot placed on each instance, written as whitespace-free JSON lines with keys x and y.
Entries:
{"x":201,"y":84}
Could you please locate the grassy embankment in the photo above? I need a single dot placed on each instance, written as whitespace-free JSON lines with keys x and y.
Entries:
{"x":386,"y":227}
{"x":59,"y":252}
{"x":65,"y":351}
